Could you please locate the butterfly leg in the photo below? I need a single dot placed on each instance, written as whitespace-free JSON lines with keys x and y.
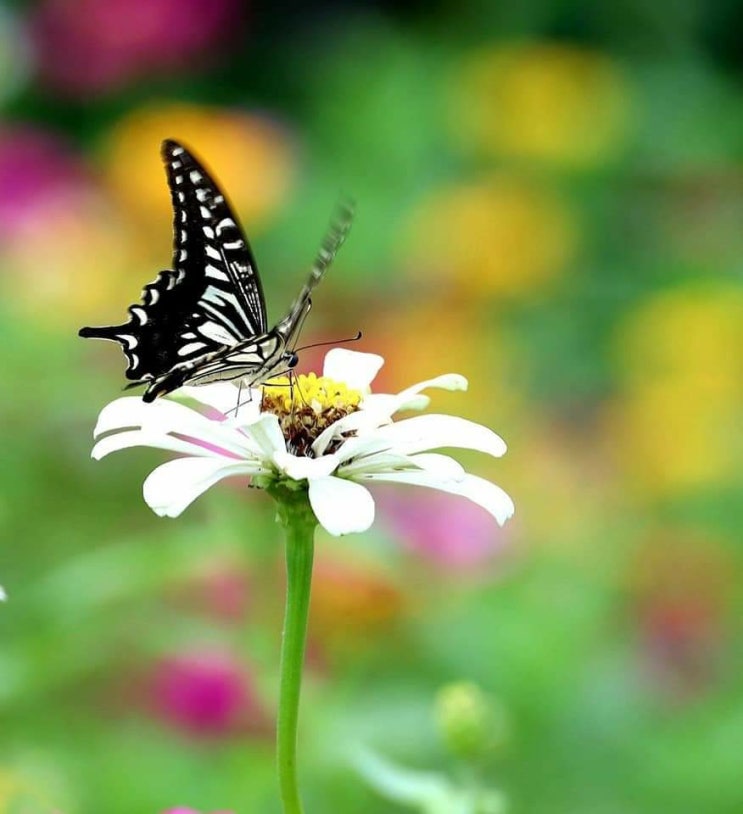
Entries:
{"x":239,"y":394}
{"x":240,"y":403}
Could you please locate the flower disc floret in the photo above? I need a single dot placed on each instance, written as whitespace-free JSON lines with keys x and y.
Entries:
{"x":307,"y":405}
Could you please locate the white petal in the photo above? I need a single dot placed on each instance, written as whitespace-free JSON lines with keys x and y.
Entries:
{"x":446,"y":381}
{"x":380,"y":462}
{"x":223,"y":396}
{"x":442,"y":466}
{"x":377,"y":462}
{"x":266,"y":434}
{"x":137,"y":438}
{"x":425,"y":432}
{"x":341,"y":506}
{"x":123,"y":413}
{"x":173,"y":486}
{"x":411,"y":398}
{"x":357,"y":370}
{"x":363,"y":446}
{"x":353,"y":422}
{"x":486,"y":494}
{"x":305,"y":468}
{"x":377,"y":409}
{"x":165,"y":416}
{"x":3,"y":595}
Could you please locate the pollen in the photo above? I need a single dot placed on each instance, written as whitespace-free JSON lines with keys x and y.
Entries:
{"x":307,"y":405}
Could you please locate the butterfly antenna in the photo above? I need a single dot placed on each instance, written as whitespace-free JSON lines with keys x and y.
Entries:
{"x":330,"y":342}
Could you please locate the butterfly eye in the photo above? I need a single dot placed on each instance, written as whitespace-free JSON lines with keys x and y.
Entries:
{"x":291,"y":359}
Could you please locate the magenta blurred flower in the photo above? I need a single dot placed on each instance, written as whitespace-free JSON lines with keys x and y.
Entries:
{"x":206,"y":694}
{"x":191,"y":811}
{"x":93,"y":46}
{"x":35,"y":168}
{"x":450,"y":533}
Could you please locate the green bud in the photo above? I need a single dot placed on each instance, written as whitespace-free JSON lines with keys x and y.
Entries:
{"x":471,"y":723}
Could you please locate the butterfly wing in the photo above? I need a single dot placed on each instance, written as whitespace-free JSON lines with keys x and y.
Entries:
{"x":340,"y":225}
{"x":211,"y":299}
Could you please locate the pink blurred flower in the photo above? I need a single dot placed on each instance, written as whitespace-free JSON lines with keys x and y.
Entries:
{"x":206,"y":694}
{"x":35,"y":169}
{"x":449,"y":533}
{"x":224,"y":592}
{"x":191,"y":811}
{"x":93,"y":46}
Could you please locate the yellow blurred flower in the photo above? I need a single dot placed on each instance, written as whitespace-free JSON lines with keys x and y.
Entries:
{"x":71,"y":260}
{"x":542,"y":101}
{"x":250,"y":155}
{"x":691,"y":334}
{"x":19,"y":793}
{"x":502,"y":237}
{"x":9,"y":786}
{"x":678,"y":425}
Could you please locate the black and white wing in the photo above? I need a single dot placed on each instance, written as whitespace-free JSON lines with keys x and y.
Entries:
{"x":212,"y":297}
{"x":340,"y":225}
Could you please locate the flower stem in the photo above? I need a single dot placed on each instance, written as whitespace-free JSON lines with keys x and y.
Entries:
{"x":296,"y":516}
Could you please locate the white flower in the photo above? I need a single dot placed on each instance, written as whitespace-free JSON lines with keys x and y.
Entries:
{"x":330,"y":435}
{"x":3,"y":595}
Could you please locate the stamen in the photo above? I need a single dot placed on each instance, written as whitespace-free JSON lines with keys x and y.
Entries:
{"x":303,"y":415}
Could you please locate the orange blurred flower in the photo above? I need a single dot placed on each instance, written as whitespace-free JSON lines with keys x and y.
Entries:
{"x":447,"y":334}
{"x":251,"y":155}
{"x":544,"y":101}
{"x":503,"y":237}
{"x":352,"y":602}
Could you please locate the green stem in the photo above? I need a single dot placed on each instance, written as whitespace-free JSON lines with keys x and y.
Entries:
{"x":295,"y":515}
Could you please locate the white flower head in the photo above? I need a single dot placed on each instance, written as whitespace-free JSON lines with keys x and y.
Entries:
{"x":329,"y":435}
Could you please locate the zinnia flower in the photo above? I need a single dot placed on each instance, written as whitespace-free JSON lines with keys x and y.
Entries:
{"x":328,"y":435}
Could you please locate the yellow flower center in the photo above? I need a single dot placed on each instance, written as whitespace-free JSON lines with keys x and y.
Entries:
{"x":306,"y":406}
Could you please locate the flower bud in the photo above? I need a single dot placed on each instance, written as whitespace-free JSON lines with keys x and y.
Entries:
{"x":471,"y":723}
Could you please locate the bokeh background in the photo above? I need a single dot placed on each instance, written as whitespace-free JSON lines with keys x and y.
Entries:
{"x":550,"y":201}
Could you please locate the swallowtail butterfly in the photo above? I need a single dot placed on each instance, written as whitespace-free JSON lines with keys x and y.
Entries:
{"x":205,"y":319}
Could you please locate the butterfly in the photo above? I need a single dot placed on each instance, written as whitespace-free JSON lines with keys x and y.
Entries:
{"x":205,"y":319}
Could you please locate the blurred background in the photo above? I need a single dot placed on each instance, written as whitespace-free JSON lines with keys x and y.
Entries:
{"x":550,"y":201}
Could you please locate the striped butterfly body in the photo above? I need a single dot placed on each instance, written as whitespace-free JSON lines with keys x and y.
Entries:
{"x":205,"y":319}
